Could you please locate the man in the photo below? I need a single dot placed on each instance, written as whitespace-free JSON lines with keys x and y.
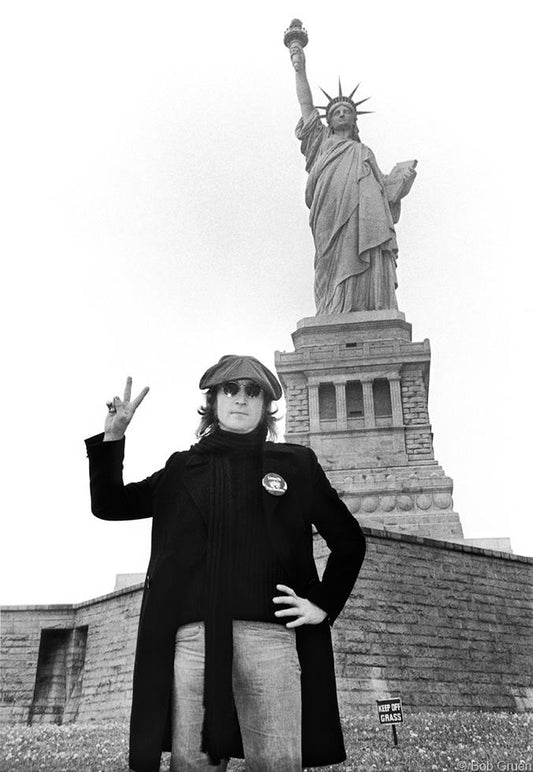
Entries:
{"x":234,"y":654}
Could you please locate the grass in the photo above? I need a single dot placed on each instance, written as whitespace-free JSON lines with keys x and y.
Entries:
{"x":445,"y":742}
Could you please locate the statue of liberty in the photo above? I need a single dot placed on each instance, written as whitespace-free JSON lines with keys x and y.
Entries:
{"x":353,"y":206}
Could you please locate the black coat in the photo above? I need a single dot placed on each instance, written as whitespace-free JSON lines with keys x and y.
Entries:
{"x":175,"y":498}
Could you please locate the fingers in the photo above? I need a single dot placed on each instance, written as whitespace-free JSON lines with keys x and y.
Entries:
{"x":127,"y":395}
{"x":284,"y":588}
{"x":127,"y":390}
{"x":302,"y":609}
{"x":139,"y":398}
{"x":286,"y":599}
{"x":289,"y":612}
{"x":290,"y":598}
{"x":297,"y":605}
{"x":304,"y":614}
{"x":297,"y":622}
{"x":301,"y":617}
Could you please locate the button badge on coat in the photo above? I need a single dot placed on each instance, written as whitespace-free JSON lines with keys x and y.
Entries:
{"x":274,"y":484}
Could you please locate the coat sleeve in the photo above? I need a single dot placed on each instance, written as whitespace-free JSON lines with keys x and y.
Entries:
{"x":345,"y":539}
{"x":110,"y":498}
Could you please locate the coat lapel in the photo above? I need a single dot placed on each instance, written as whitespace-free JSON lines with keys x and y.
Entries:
{"x":279,"y":460}
{"x":196,"y":482}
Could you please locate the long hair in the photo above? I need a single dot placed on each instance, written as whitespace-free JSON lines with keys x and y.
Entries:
{"x":209,"y":419}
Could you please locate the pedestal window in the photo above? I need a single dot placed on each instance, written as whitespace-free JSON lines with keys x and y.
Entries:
{"x":354,"y":399}
{"x":382,"y":399}
{"x":327,"y":402}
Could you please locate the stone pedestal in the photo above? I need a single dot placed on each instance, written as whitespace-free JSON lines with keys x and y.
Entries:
{"x":357,"y":393}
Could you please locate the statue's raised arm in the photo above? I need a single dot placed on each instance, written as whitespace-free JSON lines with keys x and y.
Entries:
{"x":295,"y":40}
{"x":353,"y":206}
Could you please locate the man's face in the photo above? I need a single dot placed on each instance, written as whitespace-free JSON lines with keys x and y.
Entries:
{"x":240,"y":413}
{"x":342,"y":117}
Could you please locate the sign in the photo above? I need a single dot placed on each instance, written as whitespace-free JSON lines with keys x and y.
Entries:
{"x":390,"y":711}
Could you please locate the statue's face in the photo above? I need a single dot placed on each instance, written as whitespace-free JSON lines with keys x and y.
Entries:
{"x":342,"y":117}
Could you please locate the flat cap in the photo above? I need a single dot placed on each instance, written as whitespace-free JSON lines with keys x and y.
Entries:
{"x":232,"y":367}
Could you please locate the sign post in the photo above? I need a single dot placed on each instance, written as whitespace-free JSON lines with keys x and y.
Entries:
{"x":390,"y":712}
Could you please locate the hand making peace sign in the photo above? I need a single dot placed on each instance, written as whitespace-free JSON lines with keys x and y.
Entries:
{"x":121,"y":411}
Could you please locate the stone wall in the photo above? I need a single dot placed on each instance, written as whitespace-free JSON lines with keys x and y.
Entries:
{"x":297,"y":414}
{"x":108,"y":674}
{"x":418,"y":435}
{"x":19,"y":652}
{"x":104,"y":689}
{"x":444,"y":626}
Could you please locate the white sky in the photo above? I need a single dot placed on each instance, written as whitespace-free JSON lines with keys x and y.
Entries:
{"x":154,"y":220}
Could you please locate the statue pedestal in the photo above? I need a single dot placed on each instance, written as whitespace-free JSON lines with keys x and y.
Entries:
{"x":357,"y":394}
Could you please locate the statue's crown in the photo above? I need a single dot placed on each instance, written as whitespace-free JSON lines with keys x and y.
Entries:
{"x":341,"y":98}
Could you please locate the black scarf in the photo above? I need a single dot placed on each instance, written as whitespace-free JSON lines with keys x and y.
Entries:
{"x":219,"y":708}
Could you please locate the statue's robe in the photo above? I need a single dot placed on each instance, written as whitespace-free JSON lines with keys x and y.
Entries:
{"x":351,"y":221}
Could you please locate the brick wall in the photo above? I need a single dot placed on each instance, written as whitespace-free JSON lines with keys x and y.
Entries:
{"x":108,"y":664}
{"x":19,"y":650}
{"x":112,"y":622}
{"x":445,"y":626}
{"x":418,"y":435}
{"x":297,"y":408}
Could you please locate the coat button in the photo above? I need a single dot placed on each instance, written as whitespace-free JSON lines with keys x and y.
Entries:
{"x":147,"y":582}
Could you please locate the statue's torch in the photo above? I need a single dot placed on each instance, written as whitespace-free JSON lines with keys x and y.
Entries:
{"x":297,"y":33}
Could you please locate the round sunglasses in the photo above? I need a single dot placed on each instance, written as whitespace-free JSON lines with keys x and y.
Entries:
{"x":232,"y":388}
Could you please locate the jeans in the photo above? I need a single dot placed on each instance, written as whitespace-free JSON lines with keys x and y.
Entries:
{"x":266,"y":690}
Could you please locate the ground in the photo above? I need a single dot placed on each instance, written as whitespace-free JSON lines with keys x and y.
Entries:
{"x":446,"y":742}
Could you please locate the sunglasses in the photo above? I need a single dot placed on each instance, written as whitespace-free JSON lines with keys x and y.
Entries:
{"x":232,"y":388}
